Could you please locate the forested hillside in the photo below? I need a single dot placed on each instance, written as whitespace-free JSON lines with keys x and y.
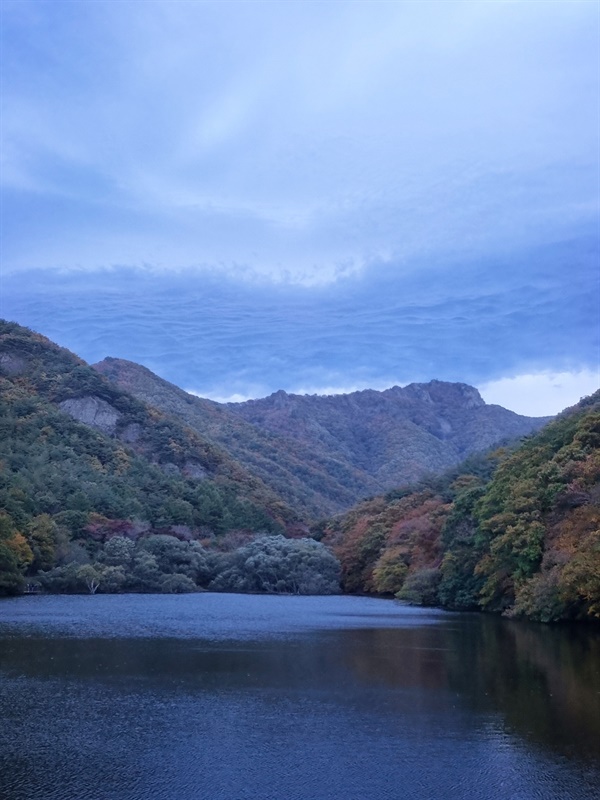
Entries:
{"x":81,"y":461}
{"x":516,"y":531}
{"x":313,"y":482}
{"x":394,"y":436}
{"x":100,"y":491}
{"x":323,"y":454}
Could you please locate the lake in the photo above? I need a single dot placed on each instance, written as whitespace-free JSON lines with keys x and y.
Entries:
{"x":237,"y":697}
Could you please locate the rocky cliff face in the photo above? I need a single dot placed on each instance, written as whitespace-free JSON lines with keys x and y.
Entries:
{"x":92,"y":411}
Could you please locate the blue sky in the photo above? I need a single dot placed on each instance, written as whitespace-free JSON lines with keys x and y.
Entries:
{"x":314,"y":196}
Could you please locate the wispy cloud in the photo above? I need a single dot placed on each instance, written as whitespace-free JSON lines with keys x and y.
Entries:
{"x":291,"y":138}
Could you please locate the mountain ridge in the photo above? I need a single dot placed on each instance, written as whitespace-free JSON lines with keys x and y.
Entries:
{"x":328,"y":451}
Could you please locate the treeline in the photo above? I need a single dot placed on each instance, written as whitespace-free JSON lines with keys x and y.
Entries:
{"x":516,"y":531}
{"x":163,"y":563}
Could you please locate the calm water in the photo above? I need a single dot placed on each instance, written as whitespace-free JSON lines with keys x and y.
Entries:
{"x":286,"y":698}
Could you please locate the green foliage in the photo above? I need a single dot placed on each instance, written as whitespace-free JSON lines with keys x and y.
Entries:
{"x":421,"y":588}
{"x":160,"y":563}
{"x":42,"y":535}
{"x":11,"y":577}
{"x":15,"y":556}
{"x":516,"y":531}
{"x":71,"y":578}
{"x":579,"y":581}
{"x":532,"y":530}
{"x":389,"y":572}
{"x":76,"y":497}
{"x":173,"y":556}
{"x":539,"y":598}
{"x":118,"y":552}
{"x":177,"y":583}
{"x":459,"y":588}
{"x":275,"y":564}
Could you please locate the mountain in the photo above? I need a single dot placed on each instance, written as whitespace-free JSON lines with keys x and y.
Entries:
{"x":321,"y":454}
{"x":394,"y":436}
{"x":313,"y":482}
{"x":112,"y":479}
{"x":81,"y":460}
{"x":514,"y":531}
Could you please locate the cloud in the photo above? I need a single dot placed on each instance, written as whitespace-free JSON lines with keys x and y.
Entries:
{"x":287,"y":139}
{"x":476,"y":321}
{"x":252,"y":196}
{"x":543,"y":393}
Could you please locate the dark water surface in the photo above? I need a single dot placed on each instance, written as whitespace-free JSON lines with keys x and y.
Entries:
{"x":291,"y":698}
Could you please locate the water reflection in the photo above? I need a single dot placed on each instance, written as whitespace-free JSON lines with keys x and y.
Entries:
{"x":464,"y":706}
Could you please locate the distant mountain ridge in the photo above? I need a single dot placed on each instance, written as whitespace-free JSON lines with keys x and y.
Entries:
{"x":394,"y":435}
{"x":323,"y":453}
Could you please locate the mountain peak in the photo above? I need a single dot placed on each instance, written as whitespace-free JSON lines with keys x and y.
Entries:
{"x":446,"y":393}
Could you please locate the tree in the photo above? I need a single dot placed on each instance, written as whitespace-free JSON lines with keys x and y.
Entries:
{"x":11,"y":578}
{"x":41,"y":533}
{"x":117,"y":552}
{"x":89,"y":577}
{"x":177,"y":584}
{"x":275,"y":564}
{"x":421,"y":587}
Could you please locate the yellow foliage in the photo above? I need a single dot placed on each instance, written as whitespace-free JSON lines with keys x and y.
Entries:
{"x":390,"y":571}
{"x":122,"y":461}
{"x":19,"y":546}
{"x":580,"y":578}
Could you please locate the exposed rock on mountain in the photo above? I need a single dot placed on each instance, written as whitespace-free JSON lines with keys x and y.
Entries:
{"x":92,"y":411}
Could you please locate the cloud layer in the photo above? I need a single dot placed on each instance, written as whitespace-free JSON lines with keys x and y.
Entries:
{"x":525,"y":313}
{"x":248,"y":196}
{"x":296,"y":140}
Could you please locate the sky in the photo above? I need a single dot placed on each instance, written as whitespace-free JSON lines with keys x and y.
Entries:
{"x":317,"y":196}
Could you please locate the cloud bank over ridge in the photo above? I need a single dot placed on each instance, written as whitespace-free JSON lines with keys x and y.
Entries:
{"x":249,"y":196}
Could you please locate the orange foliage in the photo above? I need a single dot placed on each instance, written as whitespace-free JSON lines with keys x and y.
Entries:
{"x":20,"y":548}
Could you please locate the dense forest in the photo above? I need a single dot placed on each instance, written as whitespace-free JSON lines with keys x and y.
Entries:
{"x":515,"y":531}
{"x":69,"y":488}
{"x":101,"y":492}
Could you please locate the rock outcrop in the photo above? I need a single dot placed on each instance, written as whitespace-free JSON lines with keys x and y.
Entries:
{"x":92,"y":411}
